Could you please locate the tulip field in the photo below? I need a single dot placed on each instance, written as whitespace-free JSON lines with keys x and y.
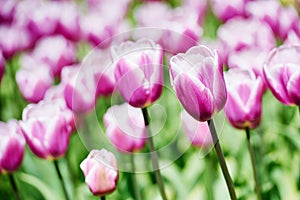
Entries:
{"x":149,"y":99}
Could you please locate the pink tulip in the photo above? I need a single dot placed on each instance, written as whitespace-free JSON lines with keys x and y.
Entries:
{"x":47,"y":127}
{"x":197,"y":132}
{"x":281,"y":19}
{"x":101,"y":172}
{"x":125,"y":127}
{"x":12,"y":146}
{"x":199,"y":7}
{"x":292,"y":38}
{"x":197,"y":78}
{"x":79,"y":88}
{"x":55,"y":92}
{"x":248,"y":59}
{"x":228,"y":9}
{"x":244,"y":98}
{"x":7,"y":10}
{"x":33,"y":79}
{"x":256,"y":34}
{"x":56,"y":51}
{"x":13,"y":39}
{"x":282,"y":74}
{"x":2,"y":65}
{"x":139,"y":71}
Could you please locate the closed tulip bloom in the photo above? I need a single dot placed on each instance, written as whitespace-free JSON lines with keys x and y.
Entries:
{"x":244,"y":98}
{"x":12,"y":146}
{"x":225,"y":10}
{"x":282,"y":74}
{"x":56,"y":51}
{"x":125,"y":127}
{"x":139,"y":71}
{"x":101,"y":172}
{"x":33,"y":79}
{"x":197,"y":78}
{"x":79,"y":89}
{"x":47,"y":127}
{"x":197,"y":132}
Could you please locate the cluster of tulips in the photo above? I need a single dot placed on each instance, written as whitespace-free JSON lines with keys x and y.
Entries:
{"x":59,"y":59}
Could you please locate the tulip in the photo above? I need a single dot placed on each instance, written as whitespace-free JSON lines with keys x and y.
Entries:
{"x":282,"y":74}
{"x":225,"y":10}
{"x":101,"y":172}
{"x":292,"y":38}
{"x":47,"y":127}
{"x":139,"y":72}
{"x":197,"y":78}
{"x":12,"y":146}
{"x":256,"y":34}
{"x":79,"y":88}
{"x":197,"y":132}
{"x":56,"y":51}
{"x":55,"y":92}
{"x":33,"y":79}
{"x":2,"y":65}
{"x":7,"y":10}
{"x":199,"y":7}
{"x":125,"y":127}
{"x":244,"y":98}
{"x":281,"y":19}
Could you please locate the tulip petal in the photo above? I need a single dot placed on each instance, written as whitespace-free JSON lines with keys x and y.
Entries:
{"x":293,"y":88}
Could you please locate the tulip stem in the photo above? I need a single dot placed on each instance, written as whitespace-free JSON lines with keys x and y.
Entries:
{"x":250,"y":149}
{"x":221,"y":159}
{"x":14,"y":186}
{"x":153,"y":153}
{"x":208,"y":177}
{"x":137,"y":193}
{"x":102,"y":198}
{"x":61,"y":179}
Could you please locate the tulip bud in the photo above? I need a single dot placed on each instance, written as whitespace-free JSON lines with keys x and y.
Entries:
{"x":282,"y":74}
{"x":101,"y":172}
{"x":125,"y":127}
{"x":197,"y":132}
{"x":33,"y":79}
{"x":79,"y":89}
{"x":197,"y":78}
{"x":56,"y":51}
{"x":47,"y":127}
{"x":139,"y":71}
{"x":244,"y":98}
{"x":11,"y":146}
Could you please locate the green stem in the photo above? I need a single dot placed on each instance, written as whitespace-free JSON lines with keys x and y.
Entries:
{"x":14,"y":186}
{"x":208,"y":177}
{"x":221,"y":158}
{"x":61,"y":179}
{"x":255,"y":175}
{"x":137,"y":193}
{"x":154,"y":157}
{"x":102,"y":198}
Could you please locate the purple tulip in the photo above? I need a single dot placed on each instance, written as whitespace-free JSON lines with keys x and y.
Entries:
{"x":101,"y":172}
{"x":33,"y":79}
{"x":197,"y":132}
{"x":7,"y":10}
{"x":13,"y":39}
{"x":2,"y":65}
{"x":56,"y":51}
{"x":281,"y":19}
{"x":125,"y":127}
{"x":228,"y":9}
{"x":256,"y":34}
{"x":12,"y":146}
{"x":198,"y":82}
{"x":139,"y":71}
{"x":79,"y":89}
{"x":68,"y":22}
{"x":47,"y":127}
{"x":282,"y":74}
{"x":244,"y":98}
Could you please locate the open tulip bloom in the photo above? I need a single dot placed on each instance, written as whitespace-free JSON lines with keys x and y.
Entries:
{"x":139,"y":71}
{"x":282,"y":74}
